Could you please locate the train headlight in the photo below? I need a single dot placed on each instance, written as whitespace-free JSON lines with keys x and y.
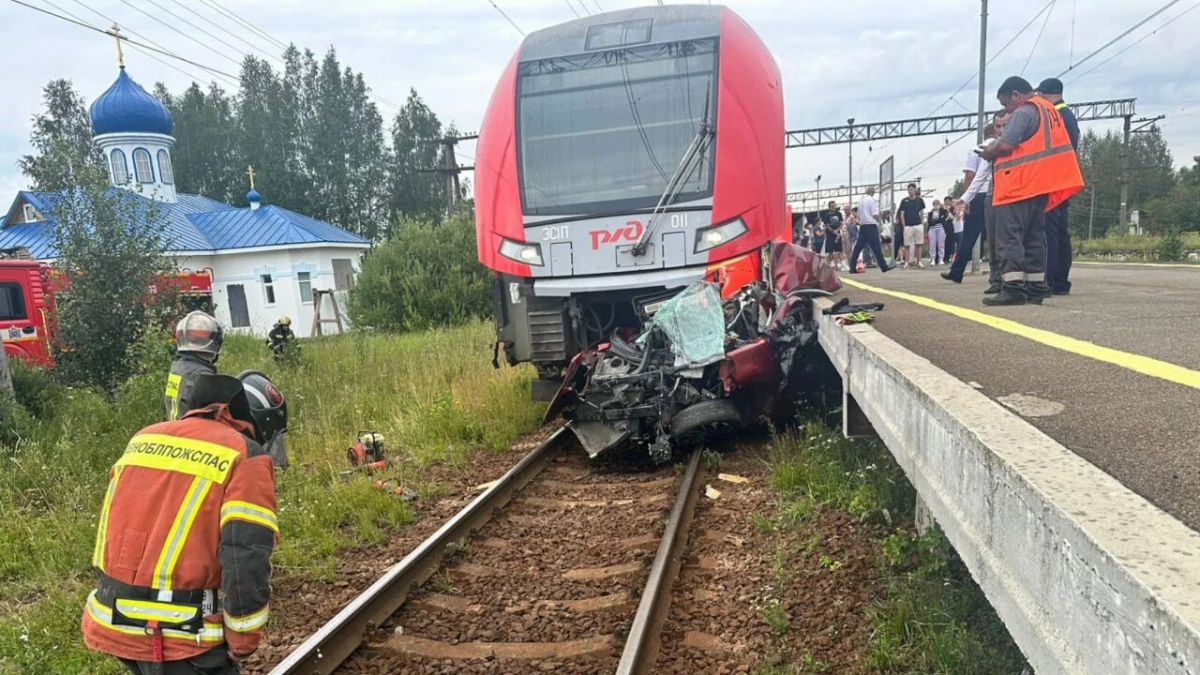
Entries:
{"x":710,"y":237}
{"x":526,"y":254}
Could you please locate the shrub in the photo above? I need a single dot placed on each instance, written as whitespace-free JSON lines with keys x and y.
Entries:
{"x":427,"y":276}
{"x":1170,"y":247}
{"x":35,"y":390}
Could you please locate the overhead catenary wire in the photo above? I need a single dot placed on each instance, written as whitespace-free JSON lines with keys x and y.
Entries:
{"x":1108,"y":44}
{"x":1039,"y":38}
{"x":194,"y":26}
{"x":508,"y":18}
{"x":573,"y":10}
{"x":219,"y":27}
{"x":164,"y":23}
{"x":144,"y":46}
{"x":971,"y":79}
{"x":1135,"y":43}
{"x":244,"y":22}
{"x":939,"y":151}
{"x":156,"y":45}
{"x":148,"y":54}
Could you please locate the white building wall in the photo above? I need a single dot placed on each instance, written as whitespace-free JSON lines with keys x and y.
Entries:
{"x":285,"y":268}
{"x":128,"y":143}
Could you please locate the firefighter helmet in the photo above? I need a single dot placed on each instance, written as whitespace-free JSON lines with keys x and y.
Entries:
{"x":199,"y":333}
{"x":285,"y":320}
{"x":267,"y":405}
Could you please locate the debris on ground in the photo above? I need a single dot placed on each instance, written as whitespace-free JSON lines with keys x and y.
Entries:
{"x":702,"y":366}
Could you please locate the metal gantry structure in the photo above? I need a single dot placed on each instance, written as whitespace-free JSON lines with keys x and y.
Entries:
{"x":942,"y":124}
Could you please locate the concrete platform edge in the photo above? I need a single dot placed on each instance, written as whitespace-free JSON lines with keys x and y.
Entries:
{"x":1088,"y":576}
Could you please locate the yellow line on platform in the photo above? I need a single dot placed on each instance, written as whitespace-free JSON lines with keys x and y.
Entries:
{"x":1135,"y":362}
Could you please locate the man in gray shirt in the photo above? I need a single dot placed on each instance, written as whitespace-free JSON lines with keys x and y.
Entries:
{"x":1020,"y":225}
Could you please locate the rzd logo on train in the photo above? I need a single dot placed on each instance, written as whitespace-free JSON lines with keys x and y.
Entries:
{"x":631,"y":232}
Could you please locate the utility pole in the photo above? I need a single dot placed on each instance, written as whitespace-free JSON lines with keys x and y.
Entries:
{"x":983,"y":14}
{"x":1125,"y":175}
{"x":451,"y":168}
{"x":850,"y":163}
{"x":1092,"y":215}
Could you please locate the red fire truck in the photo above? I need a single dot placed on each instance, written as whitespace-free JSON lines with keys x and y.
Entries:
{"x":27,"y":290}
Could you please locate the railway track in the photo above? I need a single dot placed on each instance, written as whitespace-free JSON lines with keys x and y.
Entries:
{"x":541,"y":572}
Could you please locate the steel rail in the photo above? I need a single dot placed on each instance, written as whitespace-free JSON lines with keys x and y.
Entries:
{"x":641,"y":649}
{"x":335,"y":641}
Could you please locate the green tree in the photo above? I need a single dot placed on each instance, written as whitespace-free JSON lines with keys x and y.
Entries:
{"x":62,"y":140}
{"x":205,"y":155}
{"x":1178,"y":209}
{"x":109,"y":245}
{"x":415,"y":191}
{"x":1151,"y":175}
{"x":426,"y":275}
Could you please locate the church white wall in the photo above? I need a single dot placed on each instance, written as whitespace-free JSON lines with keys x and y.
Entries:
{"x":286,"y":269}
{"x":128,"y":144}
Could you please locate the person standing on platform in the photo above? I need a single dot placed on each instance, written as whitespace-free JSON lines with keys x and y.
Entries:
{"x":939,"y":220}
{"x":977,"y":207}
{"x":1034,"y":170}
{"x":1058,"y":236}
{"x":910,"y":215}
{"x":868,"y":232}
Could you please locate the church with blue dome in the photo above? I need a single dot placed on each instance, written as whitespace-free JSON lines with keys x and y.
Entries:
{"x":265,"y":261}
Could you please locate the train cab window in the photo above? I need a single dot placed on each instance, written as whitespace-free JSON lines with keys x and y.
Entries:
{"x":12,"y":302}
{"x":605,"y":131}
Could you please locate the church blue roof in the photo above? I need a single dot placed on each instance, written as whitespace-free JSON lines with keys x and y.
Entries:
{"x":127,"y":108}
{"x":194,"y":223}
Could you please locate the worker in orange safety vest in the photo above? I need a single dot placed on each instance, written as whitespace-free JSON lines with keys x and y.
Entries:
{"x":186,"y":532}
{"x":1034,"y":169}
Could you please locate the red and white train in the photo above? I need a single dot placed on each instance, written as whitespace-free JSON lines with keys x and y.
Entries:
{"x":622,"y":157}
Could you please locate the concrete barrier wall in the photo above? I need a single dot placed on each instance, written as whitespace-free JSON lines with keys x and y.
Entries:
{"x":1087,"y":576}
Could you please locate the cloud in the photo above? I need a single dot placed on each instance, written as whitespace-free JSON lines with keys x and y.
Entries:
{"x":868,"y":59}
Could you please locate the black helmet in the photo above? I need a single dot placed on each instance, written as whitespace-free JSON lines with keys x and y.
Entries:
{"x":268,"y":409}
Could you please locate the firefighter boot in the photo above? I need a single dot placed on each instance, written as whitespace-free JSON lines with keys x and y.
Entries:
{"x":1010,"y":294}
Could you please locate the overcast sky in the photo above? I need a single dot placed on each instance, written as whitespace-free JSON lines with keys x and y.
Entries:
{"x":873,"y":60}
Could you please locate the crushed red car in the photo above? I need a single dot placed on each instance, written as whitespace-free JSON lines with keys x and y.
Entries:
{"x":701,"y":368}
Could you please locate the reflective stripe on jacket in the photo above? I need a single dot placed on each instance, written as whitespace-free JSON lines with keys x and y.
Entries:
{"x":190,"y":506}
{"x":182,"y":379}
{"x":1043,"y":164}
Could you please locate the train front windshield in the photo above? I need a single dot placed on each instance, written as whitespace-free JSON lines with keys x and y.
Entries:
{"x":605,"y":132}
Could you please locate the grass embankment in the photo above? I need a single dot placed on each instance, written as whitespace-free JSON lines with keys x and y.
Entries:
{"x":433,"y":395}
{"x":931,"y":618}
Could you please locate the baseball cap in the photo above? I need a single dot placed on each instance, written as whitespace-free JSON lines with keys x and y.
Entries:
{"x":1051,"y":85}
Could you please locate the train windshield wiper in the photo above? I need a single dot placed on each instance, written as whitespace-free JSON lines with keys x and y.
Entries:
{"x":691,"y":160}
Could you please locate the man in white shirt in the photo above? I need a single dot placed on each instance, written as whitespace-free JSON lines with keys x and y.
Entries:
{"x":978,"y":199}
{"x":868,"y":232}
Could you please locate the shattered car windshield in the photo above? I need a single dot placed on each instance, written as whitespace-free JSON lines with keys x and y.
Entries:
{"x":694,"y":322}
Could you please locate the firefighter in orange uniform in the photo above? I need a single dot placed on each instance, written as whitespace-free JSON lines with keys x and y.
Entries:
{"x":1034,"y":169}
{"x":185,"y":536}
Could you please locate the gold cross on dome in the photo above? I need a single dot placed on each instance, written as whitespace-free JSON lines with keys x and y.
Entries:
{"x":115,"y":31}
{"x":250,"y":172}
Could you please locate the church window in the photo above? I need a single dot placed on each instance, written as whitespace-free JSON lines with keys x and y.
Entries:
{"x":120,"y":170}
{"x":164,"y":167}
{"x":268,"y":285}
{"x":141,"y":166}
{"x":305,"y":280}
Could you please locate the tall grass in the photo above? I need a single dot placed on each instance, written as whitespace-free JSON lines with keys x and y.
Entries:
{"x":433,"y":395}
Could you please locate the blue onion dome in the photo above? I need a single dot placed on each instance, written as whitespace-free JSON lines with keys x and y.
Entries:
{"x":127,"y":108}
{"x":253,"y":196}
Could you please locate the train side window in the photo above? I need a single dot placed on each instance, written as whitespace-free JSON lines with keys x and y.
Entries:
{"x":12,"y":302}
